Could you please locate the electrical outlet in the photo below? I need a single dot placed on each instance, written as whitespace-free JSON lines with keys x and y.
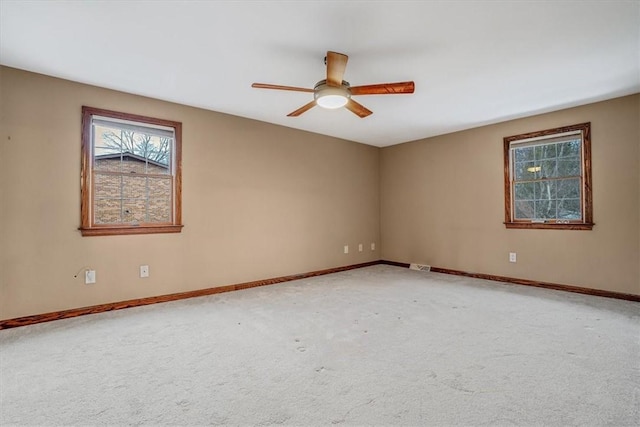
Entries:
{"x":346,"y":249}
{"x":144,"y":271}
{"x":373,"y":246}
{"x":512,"y":257}
{"x":360,"y":247}
{"x":89,"y":277}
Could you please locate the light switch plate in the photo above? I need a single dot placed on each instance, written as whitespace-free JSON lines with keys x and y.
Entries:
{"x":144,"y":271}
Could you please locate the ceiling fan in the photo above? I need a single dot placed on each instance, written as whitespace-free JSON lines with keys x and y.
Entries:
{"x":335,"y":93}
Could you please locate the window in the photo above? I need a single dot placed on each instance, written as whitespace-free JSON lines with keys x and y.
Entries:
{"x":547,"y":179}
{"x":131,"y":174}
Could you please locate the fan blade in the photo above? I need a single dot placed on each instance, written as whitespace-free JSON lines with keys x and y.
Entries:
{"x":292,"y":88}
{"x":336,"y":64}
{"x":358,"y":109}
{"x":302,"y":109}
{"x":384,"y":89}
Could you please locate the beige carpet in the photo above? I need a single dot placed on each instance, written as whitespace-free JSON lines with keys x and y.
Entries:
{"x":379,"y":345}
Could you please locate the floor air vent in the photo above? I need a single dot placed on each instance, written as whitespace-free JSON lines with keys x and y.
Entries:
{"x":420,"y":267}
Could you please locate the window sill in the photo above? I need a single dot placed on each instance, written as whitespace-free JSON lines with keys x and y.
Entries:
{"x":120,"y":230}
{"x":549,"y":226}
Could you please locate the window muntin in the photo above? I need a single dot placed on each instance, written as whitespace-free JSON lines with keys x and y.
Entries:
{"x":548,"y":179}
{"x":131,"y":174}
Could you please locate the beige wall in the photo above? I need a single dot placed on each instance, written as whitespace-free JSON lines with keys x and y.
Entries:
{"x":442,"y":203}
{"x":262,"y":201}
{"x":259,"y":201}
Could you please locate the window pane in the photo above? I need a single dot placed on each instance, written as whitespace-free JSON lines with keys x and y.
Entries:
{"x":568,"y":188}
{"x":159,"y":210}
{"x":523,"y":154}
{"x":132,"y":164}
{"x":548,"y":169}
{"x":569,"y":166}
{"x":537,"y":152}
{"x":545,"y":209}
{"x":159,"y":188}
{"x":569,"y":209}
{"x":134,"y":211}
{"x":525,"y":171}
{"x":545,"y":190}
{"x":107,"y":211}
{"x":106,"y":186}
{"x":107,"y":164}
{"x":134,"y":187}
{"x":571,"y":148}
{"x":525,"y":209}
{"x":548,"y":151}
{"x":525,"y":191}
{"x":157,"y":168}
{"x":159,"y":151}
{"x":106,"y":141}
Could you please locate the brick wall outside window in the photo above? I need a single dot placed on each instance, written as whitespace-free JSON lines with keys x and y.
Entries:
{"x":133,"y":197}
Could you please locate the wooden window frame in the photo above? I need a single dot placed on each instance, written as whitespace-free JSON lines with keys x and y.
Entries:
{"x":586,"y":223}
{"x":88,"y":227}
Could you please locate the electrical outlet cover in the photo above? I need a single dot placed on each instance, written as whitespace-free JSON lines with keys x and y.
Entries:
{"x":89,"y":277}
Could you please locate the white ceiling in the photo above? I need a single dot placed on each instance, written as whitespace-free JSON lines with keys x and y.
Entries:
{"x":473,"y":62}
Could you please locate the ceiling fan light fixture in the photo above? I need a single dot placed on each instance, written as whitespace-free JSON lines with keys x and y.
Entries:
{"x":331,"y":101}
{"x":331,"y":97}
{"x":334,"y":92}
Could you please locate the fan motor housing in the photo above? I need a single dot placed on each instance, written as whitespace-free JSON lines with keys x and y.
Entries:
{"x":331,"y":96}
{"x":323,"y":83}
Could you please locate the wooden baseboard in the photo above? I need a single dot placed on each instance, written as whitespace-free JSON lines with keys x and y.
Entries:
{"x":394,"y":263}
{"x":525,"y":282}
{"x":75,"y":312}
